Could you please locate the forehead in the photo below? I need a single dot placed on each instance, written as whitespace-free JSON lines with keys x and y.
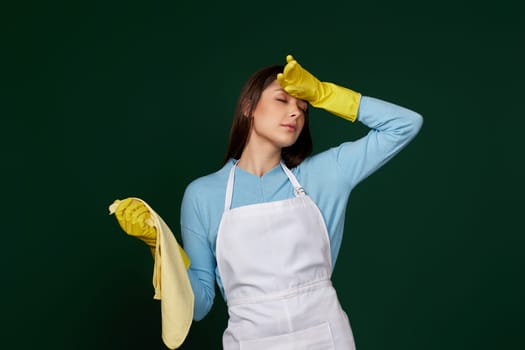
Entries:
{"x":275,"y":88}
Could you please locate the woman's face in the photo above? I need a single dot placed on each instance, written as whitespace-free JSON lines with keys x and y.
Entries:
{"x":278,"y":118}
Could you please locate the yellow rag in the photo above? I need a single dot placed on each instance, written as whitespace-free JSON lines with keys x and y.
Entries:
{"x":171,"y":283}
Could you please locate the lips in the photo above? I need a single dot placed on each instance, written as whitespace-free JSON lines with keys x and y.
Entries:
{"x":290,"y":126}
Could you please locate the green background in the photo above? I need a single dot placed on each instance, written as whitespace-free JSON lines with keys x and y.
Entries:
{"x":105,"y":100}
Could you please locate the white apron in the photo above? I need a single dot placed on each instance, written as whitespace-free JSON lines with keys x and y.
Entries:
{"x":275,"y":265}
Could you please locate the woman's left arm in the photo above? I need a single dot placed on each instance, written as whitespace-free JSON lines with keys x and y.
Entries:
{"x":392,"y":128}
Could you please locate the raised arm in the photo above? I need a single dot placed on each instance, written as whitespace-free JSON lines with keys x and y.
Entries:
{"x":392,"y":126}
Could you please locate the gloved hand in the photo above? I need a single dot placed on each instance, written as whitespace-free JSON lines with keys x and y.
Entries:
{"x":135,"y":219}
{"x":301,"y":84}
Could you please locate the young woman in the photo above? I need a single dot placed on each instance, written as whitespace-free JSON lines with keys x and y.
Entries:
{"x":267,"y":226}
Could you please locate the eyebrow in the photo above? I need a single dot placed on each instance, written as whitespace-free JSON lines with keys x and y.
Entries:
{"x":282,"y":90}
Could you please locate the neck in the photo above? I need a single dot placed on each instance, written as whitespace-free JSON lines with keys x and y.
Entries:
{"x":257,"y":160}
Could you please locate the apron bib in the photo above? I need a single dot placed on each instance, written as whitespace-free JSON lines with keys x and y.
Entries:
{"x":275,"y":265}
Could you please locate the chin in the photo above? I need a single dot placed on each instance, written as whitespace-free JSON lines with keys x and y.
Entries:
{"x":288,"y":144}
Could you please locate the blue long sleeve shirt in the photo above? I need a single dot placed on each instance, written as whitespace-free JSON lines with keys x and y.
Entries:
{"x":327,"y":177}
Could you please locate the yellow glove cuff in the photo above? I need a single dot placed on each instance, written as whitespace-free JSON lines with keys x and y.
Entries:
{"x":339,"y":100}
{"x":184,"y":257}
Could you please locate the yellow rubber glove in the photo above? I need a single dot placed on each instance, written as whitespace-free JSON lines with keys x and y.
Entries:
{"x":301,"y":84}
{"x":135,"y":219}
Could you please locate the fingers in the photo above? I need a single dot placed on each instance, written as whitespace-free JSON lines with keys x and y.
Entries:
{"x":131,"y":212}
{"x":289,"y":68}
{"x":290,"y":89}
{"x":288,"y":76}
{"x":122,"y":204}
{"x":136,"y":214}
{"x":291,"y":63}
{"x":280,"y":79}
{"x":149,"y":236}
{"x":135,"y":218}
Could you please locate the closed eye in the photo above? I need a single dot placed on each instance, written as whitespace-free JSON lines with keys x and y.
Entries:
{"x":303,"y":108}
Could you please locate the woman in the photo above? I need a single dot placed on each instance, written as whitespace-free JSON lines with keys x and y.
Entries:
{"x":267,"y":226}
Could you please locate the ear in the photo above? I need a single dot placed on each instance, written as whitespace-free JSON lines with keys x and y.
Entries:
{"x":246,"y":105}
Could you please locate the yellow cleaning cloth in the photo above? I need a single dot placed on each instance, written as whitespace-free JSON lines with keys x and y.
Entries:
{"x":171,"y":283}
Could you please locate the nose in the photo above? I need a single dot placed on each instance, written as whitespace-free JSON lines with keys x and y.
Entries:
{"x":295,"y":111}
{"x":297,"y":107}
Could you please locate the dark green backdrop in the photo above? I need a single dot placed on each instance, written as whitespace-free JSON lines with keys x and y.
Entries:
{"x":104,"y":100}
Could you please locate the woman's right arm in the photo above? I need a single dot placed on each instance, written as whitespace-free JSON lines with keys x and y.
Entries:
{"x":197,"y":246}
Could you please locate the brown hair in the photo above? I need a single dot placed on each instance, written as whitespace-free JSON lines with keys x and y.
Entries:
{"x":242,"y":120}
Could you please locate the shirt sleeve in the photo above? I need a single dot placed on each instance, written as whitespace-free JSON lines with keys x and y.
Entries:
{"x":392,"y":128}
{"x":197,"y":246}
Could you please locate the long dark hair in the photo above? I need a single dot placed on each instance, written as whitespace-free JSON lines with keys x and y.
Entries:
{"x":242,"y":120}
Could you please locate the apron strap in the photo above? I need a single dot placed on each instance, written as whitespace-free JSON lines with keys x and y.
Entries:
{"x":298,"y":189}
{"x":229,"y":188}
